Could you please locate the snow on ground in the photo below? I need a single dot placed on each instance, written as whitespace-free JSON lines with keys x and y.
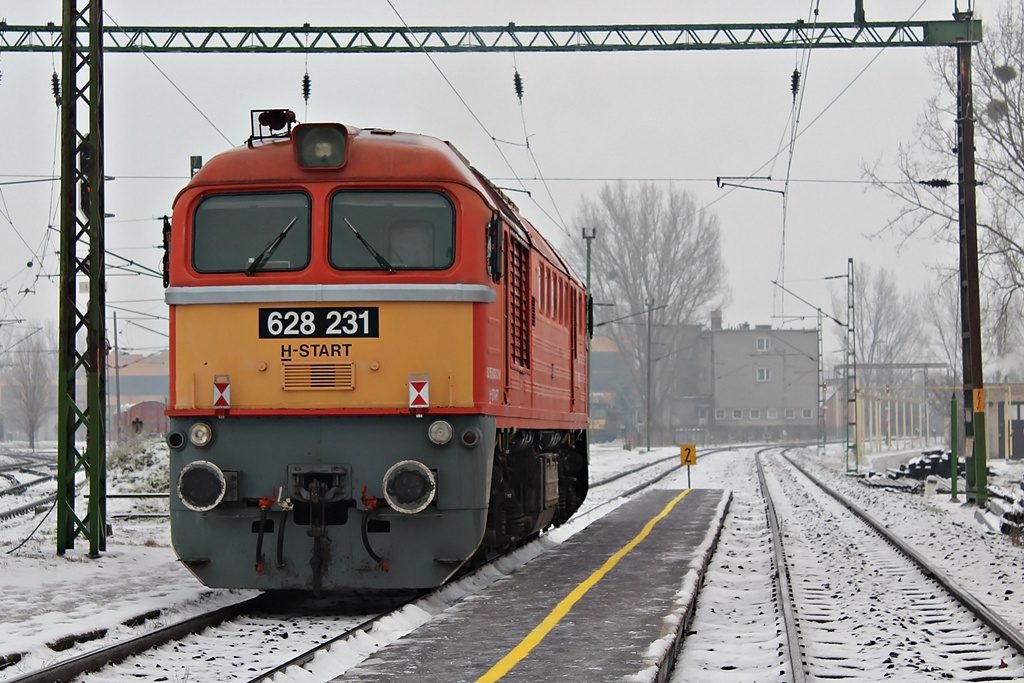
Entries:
{"x":45,"y":597}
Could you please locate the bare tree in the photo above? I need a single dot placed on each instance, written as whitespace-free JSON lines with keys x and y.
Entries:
{"x":655,"y":254}
{"x":30,"y":391}
{"x":888,"y":326}
{"x":940,"y":324}
{"x":929,"y":168}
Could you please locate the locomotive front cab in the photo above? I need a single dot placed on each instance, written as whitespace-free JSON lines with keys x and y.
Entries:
{"x":339,"y":361}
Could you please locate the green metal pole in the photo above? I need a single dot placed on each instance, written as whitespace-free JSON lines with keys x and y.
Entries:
{"x":67,"y":456}
{"x":588,"y":236}
{"x":650,"y":312}
{"x":970,"y":314}
{"x":954,"y":458}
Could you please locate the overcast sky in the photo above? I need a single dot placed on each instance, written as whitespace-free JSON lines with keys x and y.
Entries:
{"x":590,"y":118}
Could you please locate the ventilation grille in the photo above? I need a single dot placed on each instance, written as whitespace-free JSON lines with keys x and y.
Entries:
{"x":306,"y":376}
{"x":520,"y":304}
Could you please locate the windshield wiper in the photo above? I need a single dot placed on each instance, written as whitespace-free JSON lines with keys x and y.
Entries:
{"x":269,"y":250}
{"x":380,"y":259}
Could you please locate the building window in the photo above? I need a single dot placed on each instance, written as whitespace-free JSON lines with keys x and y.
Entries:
{"x":807,"y":413}
{"x":763,"y":343}
{"x":790,"y":413}
{"x":772,"y":414}
{"x":720,"y":414}
{"x":764,"y":374}
{"x":755,"y":414}
{"x":737,"y":414}
{"x":702,"y":413}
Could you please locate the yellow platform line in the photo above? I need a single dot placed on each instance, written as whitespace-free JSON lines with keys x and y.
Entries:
{"x":532,"y":640}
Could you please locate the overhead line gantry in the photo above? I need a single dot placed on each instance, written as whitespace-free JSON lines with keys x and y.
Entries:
{"x":82,"y":39}
{"x":581,"y":38}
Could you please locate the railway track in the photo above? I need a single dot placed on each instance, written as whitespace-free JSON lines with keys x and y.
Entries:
{"x":26,"y":508}
{"x":322,"y":635}
{"x":15,"y":466}
{"x":826,"y":594}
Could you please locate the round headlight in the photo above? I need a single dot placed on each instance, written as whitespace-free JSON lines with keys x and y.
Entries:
{"x":200,"y":434}
{"x":201,"y":486}
{"x":440,"y":432}
{"x":409,"y":486}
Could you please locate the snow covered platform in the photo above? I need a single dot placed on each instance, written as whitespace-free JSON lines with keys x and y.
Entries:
{"x":607,"y":604}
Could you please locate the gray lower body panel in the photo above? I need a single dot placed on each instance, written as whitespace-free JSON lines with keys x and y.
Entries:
{"x":330,"y":540}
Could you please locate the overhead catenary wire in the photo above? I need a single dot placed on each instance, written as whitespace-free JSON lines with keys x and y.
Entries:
{"x":140,"y":314}
{"x":517,"y":82}
{"x":5,"y":212}
{"x":804,"y":61}
{"x":174,"y":85}
{"x":796,"y":132}
{"x":552,"y":179}
{"x":38,"y":260}
{"x":476,"y":118}
{"x":38,"y":264}
{"x":148,"y":329}
{"x":800,"y":131}
{"x":545,"y":180}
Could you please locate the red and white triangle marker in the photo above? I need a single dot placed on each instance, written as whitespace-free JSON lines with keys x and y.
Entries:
{"x":221,"y":392}
{"x":419,"y":391}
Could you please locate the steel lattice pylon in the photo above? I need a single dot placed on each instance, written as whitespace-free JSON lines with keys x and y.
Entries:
{"x":81,"y":256}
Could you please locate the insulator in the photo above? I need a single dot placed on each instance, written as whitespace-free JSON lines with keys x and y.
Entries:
{"x":55,"y":85}
{"x":517,"y":80}
{"x":794,"y":83}
{"x":305,"y":87}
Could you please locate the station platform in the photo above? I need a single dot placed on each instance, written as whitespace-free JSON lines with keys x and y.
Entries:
{"x":608,"y":604}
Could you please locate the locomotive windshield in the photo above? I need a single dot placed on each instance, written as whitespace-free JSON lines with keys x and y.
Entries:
{"x":235,"y":233}
{"x":399,"y":231}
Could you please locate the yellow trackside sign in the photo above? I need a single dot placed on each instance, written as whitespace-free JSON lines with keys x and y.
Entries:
{"x":688,"y":454}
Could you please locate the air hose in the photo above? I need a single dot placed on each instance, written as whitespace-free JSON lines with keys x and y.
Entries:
{"x":381,"y":562}
{"x":259,"y":539}
{"x":265,"y":504}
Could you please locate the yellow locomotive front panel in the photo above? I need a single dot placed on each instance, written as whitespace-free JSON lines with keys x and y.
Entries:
{"x":317,"y":356}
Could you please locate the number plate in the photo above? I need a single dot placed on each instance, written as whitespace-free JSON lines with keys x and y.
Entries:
{"x":328,"y":323}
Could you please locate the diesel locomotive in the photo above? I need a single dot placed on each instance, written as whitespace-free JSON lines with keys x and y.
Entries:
{"x":378,"y":366}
